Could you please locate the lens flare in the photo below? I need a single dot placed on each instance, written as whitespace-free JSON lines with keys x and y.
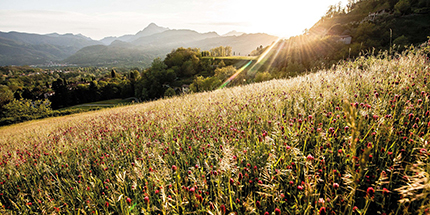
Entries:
{"x":254,"y":68}
{"x":234,"y":75}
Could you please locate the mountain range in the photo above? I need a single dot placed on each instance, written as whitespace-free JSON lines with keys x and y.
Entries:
{"x":134,"y":50}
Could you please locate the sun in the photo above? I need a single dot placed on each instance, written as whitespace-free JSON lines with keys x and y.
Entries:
{"x":281,"y":18}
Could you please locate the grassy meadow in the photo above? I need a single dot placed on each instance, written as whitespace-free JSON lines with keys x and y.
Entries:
{"x":350,"y":140}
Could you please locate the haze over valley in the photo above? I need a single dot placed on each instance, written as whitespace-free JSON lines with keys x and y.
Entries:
{"x":139,"y":49}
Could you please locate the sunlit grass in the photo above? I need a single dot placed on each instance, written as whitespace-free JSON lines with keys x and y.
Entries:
{"x":347,"y":140}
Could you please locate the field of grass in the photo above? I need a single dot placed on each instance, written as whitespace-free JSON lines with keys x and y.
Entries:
{"x":351,"y":140}
{"x":234,"y":58}
{"x":101,"y":104}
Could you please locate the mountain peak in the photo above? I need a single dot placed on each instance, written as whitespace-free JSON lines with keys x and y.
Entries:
{"x":152,"y":28}
{"x":233,"y":33}
{"x":152,"y":25}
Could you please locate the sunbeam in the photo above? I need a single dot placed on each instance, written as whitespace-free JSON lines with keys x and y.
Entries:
{"x":255,"y":67}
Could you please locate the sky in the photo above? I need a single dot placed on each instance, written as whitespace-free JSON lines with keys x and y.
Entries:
{"x":101,"y":18}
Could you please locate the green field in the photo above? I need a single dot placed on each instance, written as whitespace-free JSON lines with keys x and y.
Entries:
{"x":101,"y":104}
{"x":233,"y":58}
{"x":349,"y":140}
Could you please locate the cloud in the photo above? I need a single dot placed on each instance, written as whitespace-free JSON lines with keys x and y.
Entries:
{"x":93,"y":25}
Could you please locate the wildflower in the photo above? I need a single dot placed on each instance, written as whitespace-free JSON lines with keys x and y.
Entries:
{"x":310,"y":157}
{"x":146,"y":199}
{"x":128,"y":200}
{"x":322,"y":210}
{"x":277,"y":211}
{"x":370,"y":191}
{"x":299,"y":187}
{"x":231,"y":181}
{"x":174,"y":168}
{"x":385,"y":191}
{"x":223,"y":209}
{"x":335,"y":186}
{"x":107,"y":204}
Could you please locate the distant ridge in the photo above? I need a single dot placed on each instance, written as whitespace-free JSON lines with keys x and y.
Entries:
{"x":149,"y":30}
{"x":138,"y":49}
{"x":233,"y":33}
{"x":18,"y":48}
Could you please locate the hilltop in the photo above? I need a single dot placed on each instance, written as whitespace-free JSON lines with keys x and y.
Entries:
{"x":343,"y":33}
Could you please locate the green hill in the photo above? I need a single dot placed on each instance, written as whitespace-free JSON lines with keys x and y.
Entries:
{"x":362,"y":27}
{"x":29,"y":49}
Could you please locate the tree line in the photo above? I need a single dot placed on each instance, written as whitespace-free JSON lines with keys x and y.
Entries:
{"x":372,"y":25}
{"x":29,"y":93}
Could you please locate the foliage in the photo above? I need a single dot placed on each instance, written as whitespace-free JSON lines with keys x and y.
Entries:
{"x":184,"y":62}
{"x":18,"y":108}
{"x":221,"y":51}
{"x":402,"y":7}
{"x":6,"y":95}
{"x":24,"y":109}
{"x":401,"y":42}
{"x":262,"y":76}
{"x":169,"y":92}
{"x":372,"y":25}
{"x":258,"y":51}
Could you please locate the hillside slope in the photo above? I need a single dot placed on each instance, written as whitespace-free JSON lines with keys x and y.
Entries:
{"x":359,"y":28}
{"x":342,"y":141}
{"x":158,"y":45}
{"x":26,"y":49}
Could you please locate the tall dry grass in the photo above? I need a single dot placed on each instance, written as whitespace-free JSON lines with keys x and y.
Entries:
{"x":350,"y":140}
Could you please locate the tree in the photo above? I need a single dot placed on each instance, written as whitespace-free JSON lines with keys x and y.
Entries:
{"x":223,"y":73}
{"x":61,"y":97}
{"x":27,"y":109}
{"x":403,"y":7}
{"x":201,"y":84}
{"x":221,"y":51}
{"x":6,"y":95}
{"x":401,"y":41}
{"x":134,"y":75}
{"x":169,"y":92}
{"x":113,"y":73}
{"x":185,"y":62}
{"x":262,"y":76}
